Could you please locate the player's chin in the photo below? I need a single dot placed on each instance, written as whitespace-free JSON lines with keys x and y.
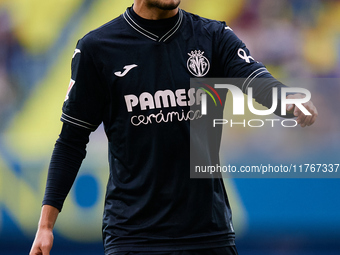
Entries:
{"x":168,"y":5}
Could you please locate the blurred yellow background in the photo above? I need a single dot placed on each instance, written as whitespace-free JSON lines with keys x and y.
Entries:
{"x":293,"y":38}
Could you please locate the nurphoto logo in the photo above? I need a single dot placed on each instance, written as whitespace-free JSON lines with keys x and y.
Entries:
{"x":238,"y":97}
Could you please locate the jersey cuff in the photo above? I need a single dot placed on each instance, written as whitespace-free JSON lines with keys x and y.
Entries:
{"x":76,"y":122}
{"x":258,"y":73}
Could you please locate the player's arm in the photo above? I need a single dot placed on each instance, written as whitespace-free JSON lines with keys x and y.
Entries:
{"x":82,"y":113}
{"x":237,"y":62}
{"x":68,"y":154}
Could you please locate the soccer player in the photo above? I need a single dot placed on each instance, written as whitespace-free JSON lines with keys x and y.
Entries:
{"x":132,"y":74}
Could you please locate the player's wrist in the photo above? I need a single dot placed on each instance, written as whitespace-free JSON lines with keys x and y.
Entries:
{"x":45,"y":227}
{"x":48,"y":218}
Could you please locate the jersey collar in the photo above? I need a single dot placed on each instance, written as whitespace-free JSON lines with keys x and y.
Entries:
{"x":138,"y":27}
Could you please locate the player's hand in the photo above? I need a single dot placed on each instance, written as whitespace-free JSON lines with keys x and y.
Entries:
{"x":302,"y":119}
{"x":43,"y":242}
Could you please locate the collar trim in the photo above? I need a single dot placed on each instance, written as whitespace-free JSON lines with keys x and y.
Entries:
{"x":134,"y":24}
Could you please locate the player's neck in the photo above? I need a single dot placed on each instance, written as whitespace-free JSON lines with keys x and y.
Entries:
{"x":153,"y":13}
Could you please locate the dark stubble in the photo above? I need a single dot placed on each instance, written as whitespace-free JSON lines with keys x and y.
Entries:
{"x":165,"y":5}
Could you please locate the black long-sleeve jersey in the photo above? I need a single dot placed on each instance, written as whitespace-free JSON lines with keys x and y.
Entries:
{"x":134,"y":76}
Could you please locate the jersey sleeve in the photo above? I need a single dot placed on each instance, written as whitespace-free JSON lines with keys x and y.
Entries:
{"x":85,"y":98}
{"x":68,"y":154}
{"x":236,"y":59}
{"x":237,"y":62}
